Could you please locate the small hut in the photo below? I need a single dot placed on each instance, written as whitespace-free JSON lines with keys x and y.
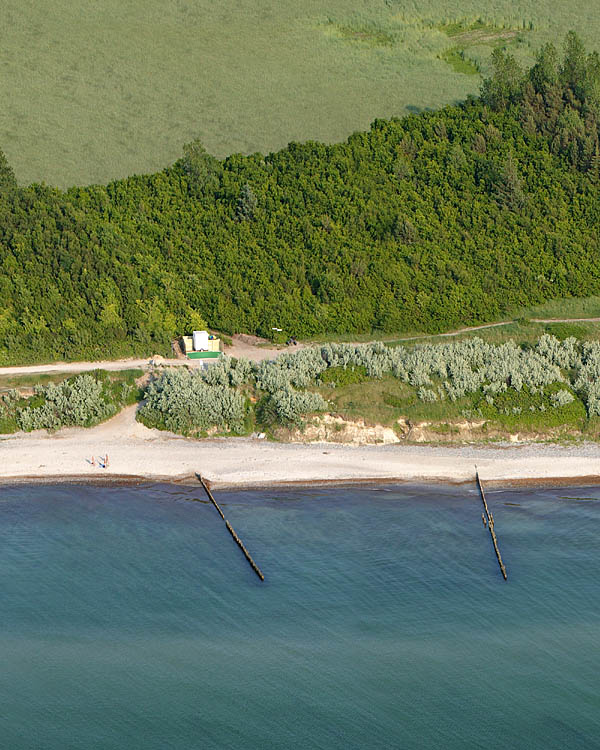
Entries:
{"x":202,"y":345}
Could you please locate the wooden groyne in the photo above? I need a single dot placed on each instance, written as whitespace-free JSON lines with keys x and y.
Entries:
{"x":231,"y":530}
{"x":490,"y":523}
{"x":240,"y":544}
{"x":210,"y":496}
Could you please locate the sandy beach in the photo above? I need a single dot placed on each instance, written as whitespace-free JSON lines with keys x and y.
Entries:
{"x":136,"y":452}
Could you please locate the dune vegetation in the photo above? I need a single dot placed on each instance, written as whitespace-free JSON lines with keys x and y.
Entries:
{"x":552,"y":384}
{"x":81,"y":400}
{"x":548,"y":388}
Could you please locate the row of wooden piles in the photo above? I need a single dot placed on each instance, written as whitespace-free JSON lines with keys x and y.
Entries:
{"x":231,"y":530}
{"x":488,"y":520}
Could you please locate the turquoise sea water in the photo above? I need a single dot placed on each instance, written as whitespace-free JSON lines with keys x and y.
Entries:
{"x":129,"y":619}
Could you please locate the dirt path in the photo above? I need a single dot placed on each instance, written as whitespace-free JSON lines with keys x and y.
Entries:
{"x":251,"y":347}
{"x":72,"y":367}
{"x":497,"y":325}
{"x":254,"y":348}
{"x":243,"y":345}
{"x":565,"y":320}
{"x":457,"y":332}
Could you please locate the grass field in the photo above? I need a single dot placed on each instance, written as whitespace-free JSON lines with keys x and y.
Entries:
{"x":96,"y":91}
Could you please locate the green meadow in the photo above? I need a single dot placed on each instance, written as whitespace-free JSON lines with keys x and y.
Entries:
{"x":96,"y":91}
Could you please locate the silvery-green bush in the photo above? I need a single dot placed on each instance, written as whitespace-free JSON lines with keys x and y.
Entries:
{"x":228,"y":371}
{"x":565,"y":353}
{"x":288,"y":406}
{"x":561,"y":398}
{"x":9,"y":398}
{"x":183,"y":401}
{"x":459,"y":368}
{"x":463,"y":366}
{"x":587,"y":381}
{"x":77,"y":401}
{"x":297,"y":369}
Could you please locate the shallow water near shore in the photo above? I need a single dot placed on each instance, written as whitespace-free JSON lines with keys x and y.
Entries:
{"x":130,"y":619}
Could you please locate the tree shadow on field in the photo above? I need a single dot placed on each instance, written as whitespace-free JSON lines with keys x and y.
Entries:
{"x":415,"y":110}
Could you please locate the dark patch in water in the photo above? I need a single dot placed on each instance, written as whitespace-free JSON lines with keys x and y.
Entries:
{"x":566,"y":497}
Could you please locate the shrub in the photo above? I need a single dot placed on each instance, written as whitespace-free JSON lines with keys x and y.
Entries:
{"x":561,"y":398}
{"x":287,"y":406}
{"x":183,"y":402}
{"x":80,"y":401}
{"x":509,"y":379}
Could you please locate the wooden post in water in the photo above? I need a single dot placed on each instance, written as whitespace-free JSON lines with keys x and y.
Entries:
{"x":490,"y":520}
{"x":210,"y":497}
{"x":231,"y":530}
{"x":240,"y":544}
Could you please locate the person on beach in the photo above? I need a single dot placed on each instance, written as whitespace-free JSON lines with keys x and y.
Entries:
{"x":106,"y":462}
{"x":93,"y":461}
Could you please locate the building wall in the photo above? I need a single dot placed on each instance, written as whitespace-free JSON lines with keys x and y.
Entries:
{"x":214,"y":346}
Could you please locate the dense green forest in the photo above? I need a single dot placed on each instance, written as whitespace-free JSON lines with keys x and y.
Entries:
{"x":426,"y":223}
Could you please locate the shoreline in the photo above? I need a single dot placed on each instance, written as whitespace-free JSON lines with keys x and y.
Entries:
{"x":141,"y":455}
{"x":191,"y":481}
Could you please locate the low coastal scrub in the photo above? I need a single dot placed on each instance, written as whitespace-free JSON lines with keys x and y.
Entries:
{"x":82,"y":400}
{"x":287,"y":407}
{"x":540,"y":386}
{"x":73,"y":402}
{"x":220,"y":398}
{"x":183,"y":401}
